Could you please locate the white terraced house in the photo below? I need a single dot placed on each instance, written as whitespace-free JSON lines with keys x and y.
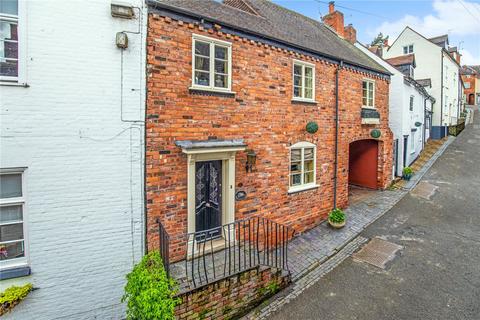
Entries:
{"x":71,"y":154}
{"x":437,"y":66}
{"x":410,"y":109}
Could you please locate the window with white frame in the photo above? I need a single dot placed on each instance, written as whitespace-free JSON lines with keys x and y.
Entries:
{"x":303,"y":81}
{"x":302,"y":165}
{"x":467,"y":85}
{"x":212,"y":64}
{"x":12,"y":219}
{"x":9,"y":40}
{"x":368,"y":93}
{"x":411,"y":103}
{"x":408,"y":49}
{"x":412,"y":143}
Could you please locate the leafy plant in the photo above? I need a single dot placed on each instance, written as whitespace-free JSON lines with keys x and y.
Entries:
{"x":271,"y":288}
{"x":407,"y":171}
{"x":337,"y":216}
{"x":149,"y":292}
{"x":12,"y":296}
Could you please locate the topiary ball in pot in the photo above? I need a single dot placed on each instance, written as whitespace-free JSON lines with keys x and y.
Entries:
{"x":337,"y":218}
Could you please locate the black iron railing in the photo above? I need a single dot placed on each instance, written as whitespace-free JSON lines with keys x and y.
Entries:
{"x":164,"y":246}
{"x":227,"y":250}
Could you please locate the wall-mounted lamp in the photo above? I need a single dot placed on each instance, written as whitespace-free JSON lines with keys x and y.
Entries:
{"x":121,"y":10}
{"x":121,"y":40}
{"x":251,"y":160}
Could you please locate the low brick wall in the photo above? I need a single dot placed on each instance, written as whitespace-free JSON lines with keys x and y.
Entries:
{"x":233,"y":297}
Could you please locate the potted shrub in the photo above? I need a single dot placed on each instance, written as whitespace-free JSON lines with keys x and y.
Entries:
{"x":407,"y":173}
{"x":337,"y":218}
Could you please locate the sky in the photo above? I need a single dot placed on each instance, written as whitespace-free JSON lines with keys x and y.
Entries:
{"x":460,"y":19}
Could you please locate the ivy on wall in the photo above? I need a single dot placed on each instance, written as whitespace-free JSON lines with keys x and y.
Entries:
{"x":13,"y":296}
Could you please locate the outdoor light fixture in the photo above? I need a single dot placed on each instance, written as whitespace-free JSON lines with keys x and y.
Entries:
{"x":120,"y":10}
{"x":121,"y":40}
{"x":251,"y":159}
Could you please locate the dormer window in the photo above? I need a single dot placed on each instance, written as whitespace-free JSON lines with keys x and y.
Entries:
{"x":408,"y":49}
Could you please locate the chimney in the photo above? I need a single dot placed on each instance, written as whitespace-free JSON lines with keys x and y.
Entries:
{"x":350,"y":34}
{"x":334,"y":19}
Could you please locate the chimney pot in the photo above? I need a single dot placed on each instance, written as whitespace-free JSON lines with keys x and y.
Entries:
{"x":331,"y":6}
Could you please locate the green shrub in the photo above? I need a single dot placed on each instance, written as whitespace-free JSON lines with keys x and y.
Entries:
{"x":12,"y":296}
{"x":336,"y":216}
{"x":149,"y":292}
{"x":407,"y":171}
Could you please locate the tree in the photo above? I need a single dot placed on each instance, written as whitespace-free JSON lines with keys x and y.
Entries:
{"x":379,"y":40}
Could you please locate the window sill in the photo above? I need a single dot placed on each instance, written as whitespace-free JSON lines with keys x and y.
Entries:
{"x":15,"y":272}
{"x":211,"y":92}
{"x":302,"y":188}
{"x":302,"y":101}
{"x":370,"y":121}
{"x":13,"y":84}
{"x":369,"y":108}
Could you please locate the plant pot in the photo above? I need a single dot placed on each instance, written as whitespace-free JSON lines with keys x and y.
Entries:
{"x":337,"y":225}
{"x":407,"y":177}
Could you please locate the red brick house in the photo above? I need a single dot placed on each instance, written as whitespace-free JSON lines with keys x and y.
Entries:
{"x":236,"y":91}
{"x":471,"y":79}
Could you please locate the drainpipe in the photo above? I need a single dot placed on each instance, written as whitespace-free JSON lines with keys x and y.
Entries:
{"x":337,"y":124}
{"x":441,"y":95}
{"x":424,"y":121}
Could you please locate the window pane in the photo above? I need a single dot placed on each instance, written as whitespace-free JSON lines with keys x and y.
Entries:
{"x":297,"y":69}
{"x":12,"y":250}
{"x":296,"y":92}
{"x":11,"y":213}
{"x":220,"y":52}
{"x":308,"y":153}
{"x":202,"y":48}
{"x":405,"y":50}
{"x":8,"y":49}
{"x":9,"y":7}
{"x":221,"y":81}
{"x":221,"y":66}
{"x":308,"y":93}
{"x":308,"y":165}
{"x":202,"y":63}
{"x":11,"y":232}
{"x":10,"y":185}
{"x":370,"y":86}
{"x":296,"y":154}
{"x":297,"y":80}
{"x":295,"y":179}
{"x":364,"y":85}
{"x":309,"y":72}
{"x":309,"y":83}
{"x":295,"y":167}
{"x":364,"y":101}
{"x":308,"y":177}
{"x":202,"y":78}
{"x":8,"y":30}
{"x":370,"y":102}
{"x":9,"y":68}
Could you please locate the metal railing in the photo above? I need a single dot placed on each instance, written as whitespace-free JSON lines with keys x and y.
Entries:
{"x":227,"y":250}
{"x":164,"y":246}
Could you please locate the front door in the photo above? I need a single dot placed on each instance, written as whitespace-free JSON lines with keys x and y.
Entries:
{"x":395,"y":157}
{"x":208,"y":198}
{"x":405,"y":151}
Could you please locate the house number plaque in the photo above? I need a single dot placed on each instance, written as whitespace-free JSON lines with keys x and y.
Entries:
{"x":240,"y":195}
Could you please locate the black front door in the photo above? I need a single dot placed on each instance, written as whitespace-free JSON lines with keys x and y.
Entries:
{"x":405,"y":151}
{"x":395,"y":157}
{"x":208,"y":198}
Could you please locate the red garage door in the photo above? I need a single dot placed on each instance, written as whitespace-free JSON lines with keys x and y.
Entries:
{"x":363,"y":163}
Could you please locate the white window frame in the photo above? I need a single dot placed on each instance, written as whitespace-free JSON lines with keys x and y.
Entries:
{"x":412,"y":142}
{"x":408,"y":49}
{"x":212,"y":42}
{"x":303,"y":64}
{"x":23,"y":261}
{"x":467,"y":85}
{"x":22,"y":45}
{"x":303,"y":186}
{"x":373,"y":100}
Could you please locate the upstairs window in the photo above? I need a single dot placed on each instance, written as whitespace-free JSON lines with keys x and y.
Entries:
{"x":211,"y":67}
{"x":411,"y":103}
{"x":12,"y":226}
{"x":303,"y":81}
{"x":9,"y":40}
{"x":368,"y":93}
{"x":302,"y":166}
{"x":408,"y":49}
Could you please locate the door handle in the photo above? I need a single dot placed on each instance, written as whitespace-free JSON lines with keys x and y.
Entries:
{"x":208,"y":205}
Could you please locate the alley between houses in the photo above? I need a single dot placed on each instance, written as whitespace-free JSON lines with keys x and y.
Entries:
{"x":436,"y":273}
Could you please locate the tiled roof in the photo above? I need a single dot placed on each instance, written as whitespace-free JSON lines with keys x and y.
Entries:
{"x":402,"y":60}
{"x":276,"y":23}
{"x":424,"y":82}
{"x":440,"y":40}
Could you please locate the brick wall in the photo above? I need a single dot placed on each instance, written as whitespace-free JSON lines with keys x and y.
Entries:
{"x":468,"y":91}
{"x":261,"y":113}
{"x":84,"y":164}
{"x":233,"y":297}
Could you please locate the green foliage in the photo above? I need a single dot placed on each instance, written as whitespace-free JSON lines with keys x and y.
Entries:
{"x":12,"y":296}
{"x":379,"y":40}
{"x":271,"y":288}
{"x":407,"y":171}
{"x":149,"y":292}
{"x":336,"y":216}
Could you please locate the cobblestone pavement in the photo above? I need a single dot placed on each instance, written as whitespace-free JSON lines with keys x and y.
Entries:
{"x":316,"y":250}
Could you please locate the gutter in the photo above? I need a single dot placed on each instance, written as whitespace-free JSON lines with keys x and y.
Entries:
{"x":203,"y":18}
{"x":337,"y":124}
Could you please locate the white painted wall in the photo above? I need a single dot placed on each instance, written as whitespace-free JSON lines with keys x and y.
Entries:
{"x":84,"y":176}
{"x":428,"y":58}
{"x":401,"y":119}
